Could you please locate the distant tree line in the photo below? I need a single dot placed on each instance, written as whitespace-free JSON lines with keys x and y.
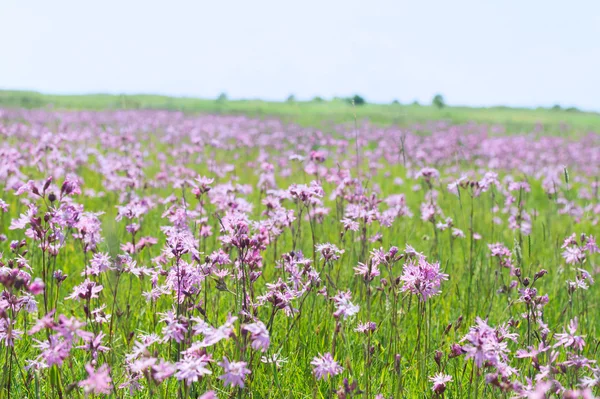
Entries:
{"x":438,"y":102}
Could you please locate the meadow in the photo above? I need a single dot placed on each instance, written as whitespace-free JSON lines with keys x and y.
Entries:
{"x":296,"y":253}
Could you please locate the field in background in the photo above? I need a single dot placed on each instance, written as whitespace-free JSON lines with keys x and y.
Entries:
{"x":314,"y":113}
{"x":155,"y":254}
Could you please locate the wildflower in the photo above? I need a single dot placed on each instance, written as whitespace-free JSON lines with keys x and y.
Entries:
{"x":367,"y":272}
{"x":329,"y":251}
{"x":235,"y":372}
{"x":191,"y":369}
{"x":573,"y":255}
{"x":343,"y":305}
{"x":366,"y":327}
{"x":569,"y":339}
{"x":8,"y":333}
{"x":591,"y":246}
{"x":324,"y":366}
{"x":98,"y":382}
{"x":428,"y":174}
{"x":439,"y":382}
{"x":99,"y":263}
{"x":275,"y":359}
{"x":176,"y":327}
{"x":422,"y":278}
{"x":86,"y":290}
{"x":93,"y":344}
{"x":457,"y":233}
{"x":259,"y":335}
{"x":485,"y":344}
{"x":162,"y":370}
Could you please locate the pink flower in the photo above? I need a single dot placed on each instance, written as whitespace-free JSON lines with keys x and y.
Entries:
{"x":175,"y":329}
{"x":329,"y":251}
{"x":8,"y":333}
{"x":569,"y":339}
{"x":191,"y":369}
{"x":573,"y":255}
{"x":161,"y":371}
{"x":367,"y":272}
{"x":439,"y":382}
{"x":235,"y":372}
{"x":486,"y":344}
{"x":259,"y":335}
{"x":343,"y":305}
{"x":98,"y":382}
{"x":325,"y":366}
{"x":366,"y":327}
{"x":86,"y":290}
{"x":422,"y":278}
{"x":36,"y":287}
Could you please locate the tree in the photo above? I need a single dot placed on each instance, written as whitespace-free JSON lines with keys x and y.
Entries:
{"x":222,"y":98}
{"x":291,"y":99}
{"x":357,"y":100}
{"x":396,"y":102}
{"x":317,"y":99}
{"x":438,"y":101}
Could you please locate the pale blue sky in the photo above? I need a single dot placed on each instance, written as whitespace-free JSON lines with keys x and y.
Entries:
{"x":475,"y":52}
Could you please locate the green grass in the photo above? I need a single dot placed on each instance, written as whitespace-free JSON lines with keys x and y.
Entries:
{"x":470,"y":291}
{"x":320,"y":114}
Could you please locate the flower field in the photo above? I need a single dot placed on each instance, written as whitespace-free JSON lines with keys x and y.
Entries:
{"x":157,"y":254}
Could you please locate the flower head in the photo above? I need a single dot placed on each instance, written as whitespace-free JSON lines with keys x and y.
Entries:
{"x":324,"y":366}
{"x":98,"y":381}
{"x":422,"y":278}
{"x":235,"y":372}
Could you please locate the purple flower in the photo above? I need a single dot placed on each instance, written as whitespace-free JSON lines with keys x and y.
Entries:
{"x":98,"y":382}
{"x":573,"y":255}
{"x":191,"y":369}
{"x":86,"y":290}
{"x":175,"y":328}
{"x":324,"y":366}
{"x":8,"y":333}
{"x":422,"y":278}
{"x":329,"y":251}
{"x":235,"y":372}
{"x":569,"y":339}
{"x":486,"y":344}
{"x":366,"y":327}
{"x":439,"y":382}
{"x":343,"y":305}
{"x":161,"y":371}
{"x":259,"y":335}
{"x":368,"y":272}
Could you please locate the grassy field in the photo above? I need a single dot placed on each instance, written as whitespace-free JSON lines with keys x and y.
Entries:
{"x":312,"y":113}
{"x":371,"y":262}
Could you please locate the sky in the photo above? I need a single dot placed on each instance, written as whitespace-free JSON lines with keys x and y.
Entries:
{"x":474,"y":52}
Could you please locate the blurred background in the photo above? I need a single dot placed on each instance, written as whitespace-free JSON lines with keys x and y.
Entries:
{"x":523,"y":54}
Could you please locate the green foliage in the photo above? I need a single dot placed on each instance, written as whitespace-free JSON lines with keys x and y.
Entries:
{"x":357,"y":100}
{"x":438,"y":101}
{"x":318,"y":112}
